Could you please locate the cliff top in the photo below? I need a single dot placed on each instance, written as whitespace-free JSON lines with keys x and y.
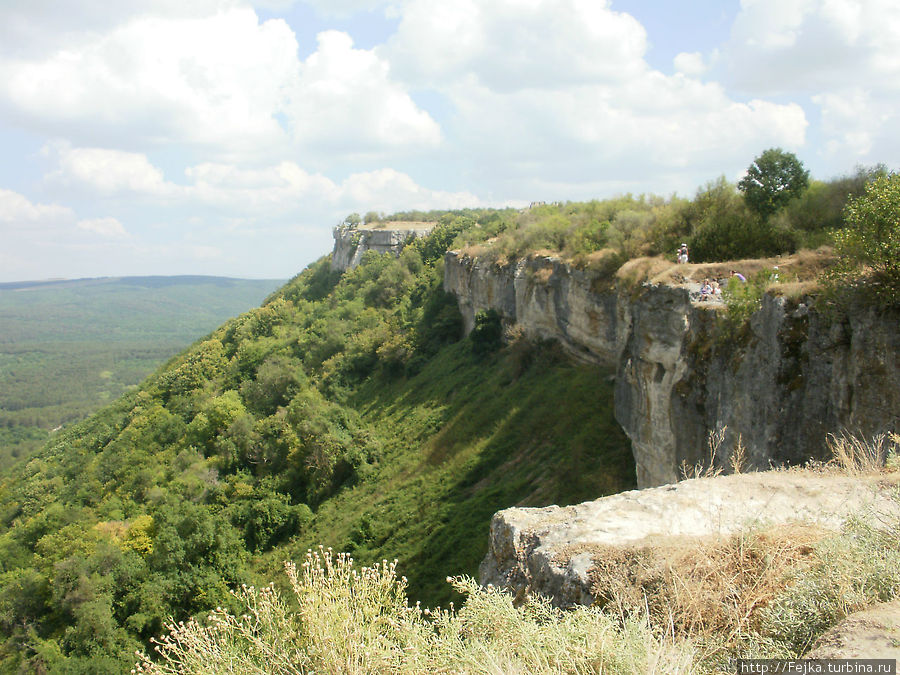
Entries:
{"x":394,"y":225}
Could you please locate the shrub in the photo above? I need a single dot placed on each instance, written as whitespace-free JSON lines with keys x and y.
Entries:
{"x":859,"y":567}
{"x":359,"y":621}
{"x":742,"y":300}
{"x":868,"y":248}
{"x":487,"y":335}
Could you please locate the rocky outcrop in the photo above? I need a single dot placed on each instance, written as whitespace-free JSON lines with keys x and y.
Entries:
{"x":351,"y":242}
{"x":546,"y":297}
{"x":777,"y":387}
{"x":873,"y":633}
{"x":553,"y":550}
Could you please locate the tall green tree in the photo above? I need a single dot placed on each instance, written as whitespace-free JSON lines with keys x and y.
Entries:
{"x":772,"y":180}
{"x":870,"y":242}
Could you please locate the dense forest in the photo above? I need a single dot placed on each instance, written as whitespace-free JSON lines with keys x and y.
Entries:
{"x":349,"y":411}
{"x":69,"y":347}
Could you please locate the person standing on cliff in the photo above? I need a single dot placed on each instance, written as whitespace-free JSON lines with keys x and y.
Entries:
{"x":683,"y":254}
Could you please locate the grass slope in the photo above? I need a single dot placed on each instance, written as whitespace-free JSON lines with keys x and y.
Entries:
{"x":464,"y":438}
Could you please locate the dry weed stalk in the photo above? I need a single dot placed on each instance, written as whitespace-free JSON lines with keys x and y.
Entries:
{"x":708,"y":468}
{"x":738,"y":456}
{"x":858,"y":456}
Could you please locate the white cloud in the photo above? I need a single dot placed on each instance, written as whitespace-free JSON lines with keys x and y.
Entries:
{"x":211,"y":81}
{"x":858,"y":123}
{"x":559,"y":91}
{"x":389,"y":190}
{"x":224,"y":83}
{"x":514,"y":44}
{"x":844,"y":55}
{"x":39,"y":27}
{"x":283,"y":190}
{"x":339,"y":8}
{"x":18,"y":210}
{"x":345,"y":101}
{"x":781,"y":46}
{"x":107,"y":171}
{"x":690,"y":63}
{"x":105,"y":227}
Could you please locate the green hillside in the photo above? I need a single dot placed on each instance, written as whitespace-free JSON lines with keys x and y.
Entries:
{"x":346,"y":411}
{"x":69,"y":347}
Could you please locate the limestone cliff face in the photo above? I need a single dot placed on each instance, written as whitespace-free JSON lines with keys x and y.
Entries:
{"x":546,"y":297}
{"x":350,"y":243}
{"x":780,"y":387}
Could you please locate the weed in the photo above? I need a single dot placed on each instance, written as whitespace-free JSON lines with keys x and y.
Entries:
{"x":349,"y":620}
{"x":858,"y":456}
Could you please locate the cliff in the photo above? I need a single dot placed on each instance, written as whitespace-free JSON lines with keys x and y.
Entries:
{"x":779,"y":388}
{"x":351,"y":242}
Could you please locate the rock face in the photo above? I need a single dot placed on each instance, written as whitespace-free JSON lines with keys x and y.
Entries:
{"x":546,"y":297}
{"x":553,"y":550}
{"x":873,"y":633}
{"x":351,"y":242}
{"x":779,"y":387}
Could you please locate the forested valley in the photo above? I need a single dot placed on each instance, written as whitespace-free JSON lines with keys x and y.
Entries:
{"x":69,"y":347}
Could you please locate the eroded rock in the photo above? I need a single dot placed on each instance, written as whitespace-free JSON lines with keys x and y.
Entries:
{"x":552,"y":550}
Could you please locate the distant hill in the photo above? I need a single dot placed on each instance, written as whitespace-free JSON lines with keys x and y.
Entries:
{"x":68,"y":346}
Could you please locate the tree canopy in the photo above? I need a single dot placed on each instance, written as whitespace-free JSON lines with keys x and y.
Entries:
{"x":772,"y":180}
{"x":870,"y":242}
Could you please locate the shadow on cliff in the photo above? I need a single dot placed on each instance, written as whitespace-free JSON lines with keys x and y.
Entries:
{"x":510,"y":428}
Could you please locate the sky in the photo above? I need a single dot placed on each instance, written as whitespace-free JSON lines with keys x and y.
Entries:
{"x":228,"y":137}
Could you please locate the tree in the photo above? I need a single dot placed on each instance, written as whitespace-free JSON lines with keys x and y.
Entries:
{"x":772,"y":180}
{"x":870,"y":242}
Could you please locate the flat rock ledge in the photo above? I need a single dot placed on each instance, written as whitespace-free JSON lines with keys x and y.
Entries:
{"x":551,"y":551}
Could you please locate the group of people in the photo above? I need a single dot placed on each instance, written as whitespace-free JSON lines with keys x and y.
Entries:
{"x":713,"y":288}
{"x":710,"y":289}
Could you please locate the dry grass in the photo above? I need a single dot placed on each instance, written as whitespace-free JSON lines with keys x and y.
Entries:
{"x":638,"y":270}
{"x":713,"y":465}
{"x":543,"y":275}
{"x":712,"y":590}
{"x":353,"y":621}
{"x":857,"y":456}
{"x":794,"y":290}
{"x":803,"y":266}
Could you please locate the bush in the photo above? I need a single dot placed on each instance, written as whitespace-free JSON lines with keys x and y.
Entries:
{"x":868,"y":248}
{"x":487,"y":335}
{"x":857,"y":568}
{"x":359,"y":621}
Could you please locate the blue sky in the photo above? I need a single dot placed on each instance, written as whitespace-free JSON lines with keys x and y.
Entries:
{"x":228,"y":136}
